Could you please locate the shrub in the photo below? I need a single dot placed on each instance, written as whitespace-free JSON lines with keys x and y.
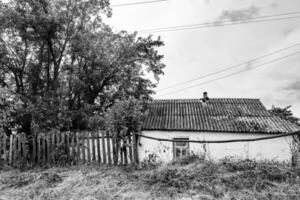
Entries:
{"x":151,"y":162}
{"x":189,"y":159}
{"x":237,"y":164}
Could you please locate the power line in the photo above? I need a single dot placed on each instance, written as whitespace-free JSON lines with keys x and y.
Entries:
{"x":231,"y":74}
{"x":137,"y":3}
{"x":231,"y":67}
{"x":222,"y":141}
{"x":216,"y":24}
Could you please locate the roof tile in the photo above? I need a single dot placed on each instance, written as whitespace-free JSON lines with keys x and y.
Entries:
{"x":217,"y":114}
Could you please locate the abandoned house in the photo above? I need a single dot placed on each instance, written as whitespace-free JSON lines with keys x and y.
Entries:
{"x":214,"y":119}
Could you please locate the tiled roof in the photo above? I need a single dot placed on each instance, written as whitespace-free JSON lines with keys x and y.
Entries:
{"x":218,"y":115}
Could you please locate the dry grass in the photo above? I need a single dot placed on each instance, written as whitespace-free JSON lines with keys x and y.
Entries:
{"x":194,"y":179}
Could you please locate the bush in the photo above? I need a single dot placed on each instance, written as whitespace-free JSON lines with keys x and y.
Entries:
{"x":151,"y":162}
{"x":189,"y":159}
{"x":237,"y":164}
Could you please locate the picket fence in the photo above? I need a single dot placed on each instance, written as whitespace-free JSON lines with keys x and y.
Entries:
{"x":67,"y":148}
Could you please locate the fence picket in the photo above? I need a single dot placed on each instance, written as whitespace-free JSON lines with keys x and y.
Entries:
{"x":108,"y":148}
{"x":125,"y":152}
{"x":78,"y":147}
{"x":44,"y":143}
{"x":11,"y":149}
{"x":1,"y":145}
{"x":33,"y":158}
{"x":4,"y":148}
{"x":88,"y":147}
{"x":66,"y":148}
{"x":103,"y":147}
{"x":52,"y":146}
{"x":130,"y":148}
{"x":72,"y":161}
{"x":98,"y":148}
{"x":24,"y":148}
{"x":48,"y":147}
{"x":83,"y":148}
{"x":93,"y":146}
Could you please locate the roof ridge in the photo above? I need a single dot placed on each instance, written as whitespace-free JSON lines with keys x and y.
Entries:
{"x":225,"y":98}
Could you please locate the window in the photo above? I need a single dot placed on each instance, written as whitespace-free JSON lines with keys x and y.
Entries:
{"x":180,"y":148}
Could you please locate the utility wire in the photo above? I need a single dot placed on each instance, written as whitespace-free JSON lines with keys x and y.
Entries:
{"x":217,"y":24}
{"x":231,"y":74}
{"x":137,"y":3}
{"x":231,"y":67}
{"x":222,"y":141}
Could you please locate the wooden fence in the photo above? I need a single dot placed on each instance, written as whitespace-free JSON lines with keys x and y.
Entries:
{"x":67,"y":148}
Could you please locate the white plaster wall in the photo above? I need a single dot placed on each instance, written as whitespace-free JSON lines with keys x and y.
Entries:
{"x":274,"y":149}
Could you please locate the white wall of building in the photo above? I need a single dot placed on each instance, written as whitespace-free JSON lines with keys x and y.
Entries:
{"x":274,"y":149}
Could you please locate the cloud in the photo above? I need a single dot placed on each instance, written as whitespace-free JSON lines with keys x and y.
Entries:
{"x":240,"y":14}
{"x":295,"y":86}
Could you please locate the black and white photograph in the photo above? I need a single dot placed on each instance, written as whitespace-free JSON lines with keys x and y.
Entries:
{"x":149,"y":100}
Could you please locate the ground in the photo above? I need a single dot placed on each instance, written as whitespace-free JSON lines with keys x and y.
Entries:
{"x":188,"y":179}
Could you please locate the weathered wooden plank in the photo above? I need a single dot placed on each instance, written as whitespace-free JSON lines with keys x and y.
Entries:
{"x":121,"y":151}
{"x":78,"y":147}
{"x":57,"y":146}
{"x":73,"y":154}
{"x":88,"y":147}
{"x":1,"y":145}
{"x":93,"y":146}
{"x":114,"y":148}
{"x":24,"y":148}
{"x":108,"y":148}
{"x":15,"y":149}
{"x":130,"y":148}
{"x":68,"y":155}
{"x":33,"y":159}
{"x":98,"y":147}
{"x":118,"y":154}
{"x":4,"y":148}
{"x":103,"y":147}
{"x":39,"y":149}
{"x":48,"y":146}
{"x":44,"y":147}
{"x":11,"y":149}
{"x":83,"y":148}
{"x":134,"y":147}
{"x":125,"y":152}
{"x":53,"y":146}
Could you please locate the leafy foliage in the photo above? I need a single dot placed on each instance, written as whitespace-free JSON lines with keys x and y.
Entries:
{"x":125,"y":117}
{"x":67,"y":66}
{"x":284,"y":113}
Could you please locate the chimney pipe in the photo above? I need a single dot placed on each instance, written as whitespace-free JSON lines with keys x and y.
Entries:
{"x":205,"y":97}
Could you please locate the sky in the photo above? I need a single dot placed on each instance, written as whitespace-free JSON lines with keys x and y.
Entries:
{"x":190,"y":54}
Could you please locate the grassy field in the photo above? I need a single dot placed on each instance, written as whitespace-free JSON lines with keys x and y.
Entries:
{"x":189,"y":179}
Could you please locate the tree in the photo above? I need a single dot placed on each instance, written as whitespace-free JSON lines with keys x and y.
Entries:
{"x":287,"y":114}
{"x":67,"y":66}
{"x":122,"y":119}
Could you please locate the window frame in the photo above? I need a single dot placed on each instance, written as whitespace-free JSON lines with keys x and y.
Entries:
{"x":187,"y":148}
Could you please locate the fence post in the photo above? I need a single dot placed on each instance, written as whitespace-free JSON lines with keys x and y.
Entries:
{"x":11,"y":149}
{"x":135,"y":148}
